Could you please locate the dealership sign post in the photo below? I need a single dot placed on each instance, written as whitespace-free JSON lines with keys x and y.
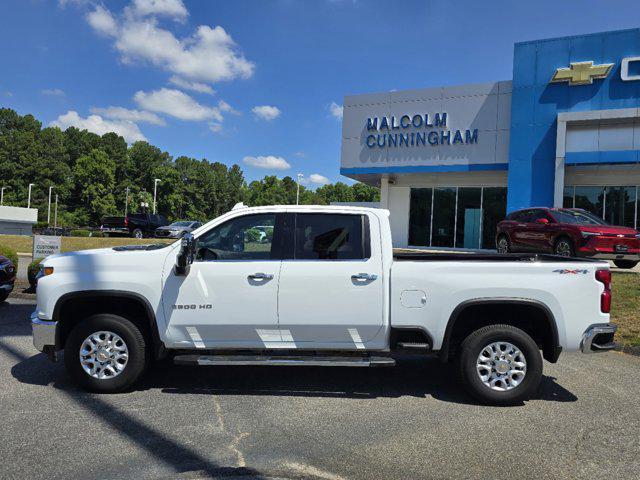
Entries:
{"x":45,"y":245}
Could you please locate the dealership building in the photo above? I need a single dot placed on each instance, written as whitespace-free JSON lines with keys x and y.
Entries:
{"x":451,"y":161}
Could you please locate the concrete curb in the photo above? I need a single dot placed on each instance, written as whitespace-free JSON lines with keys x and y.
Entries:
{"x":629,"y":349}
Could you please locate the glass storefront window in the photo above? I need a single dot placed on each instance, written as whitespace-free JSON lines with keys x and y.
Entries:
{"x":420,"y":217}
{"x":567,"y":197}
{"x":469,"y":217}
{"x":620,"y":206}
{"x":444,"y":220}
{"x":494,"y":209}
{"x":590,"y":199}
{"x":479,"y":209}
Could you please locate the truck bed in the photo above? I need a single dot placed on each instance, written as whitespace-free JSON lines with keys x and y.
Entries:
{"x":485,"y":257}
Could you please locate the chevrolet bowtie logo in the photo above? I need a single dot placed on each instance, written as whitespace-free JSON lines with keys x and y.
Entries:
{"x":581,"y":73}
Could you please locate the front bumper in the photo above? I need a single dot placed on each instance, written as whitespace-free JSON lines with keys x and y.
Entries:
{"x":598,"y":338}
{"x":44,"y":333}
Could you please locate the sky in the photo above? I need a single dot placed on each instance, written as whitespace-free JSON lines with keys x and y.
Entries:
{"x":255,"y":82}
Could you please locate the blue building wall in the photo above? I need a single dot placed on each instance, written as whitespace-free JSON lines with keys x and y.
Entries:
{"x":536,"y":104}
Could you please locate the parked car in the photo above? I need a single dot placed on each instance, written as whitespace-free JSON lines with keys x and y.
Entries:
{"x":569,"y":232}
{"x":7,"y":277}
{"x":137,"y":225}
{"x":177,"y":229}
{"x":327,"y":290}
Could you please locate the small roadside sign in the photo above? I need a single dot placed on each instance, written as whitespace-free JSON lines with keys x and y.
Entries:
{"x":45,"y":245}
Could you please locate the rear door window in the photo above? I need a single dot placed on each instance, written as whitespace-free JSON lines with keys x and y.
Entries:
{"x":320,"y":236}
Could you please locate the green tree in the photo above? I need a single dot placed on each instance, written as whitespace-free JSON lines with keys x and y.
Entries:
{"x":96,"y":173}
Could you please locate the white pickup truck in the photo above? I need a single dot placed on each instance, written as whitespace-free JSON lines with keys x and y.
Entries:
{"x":309,"y":285}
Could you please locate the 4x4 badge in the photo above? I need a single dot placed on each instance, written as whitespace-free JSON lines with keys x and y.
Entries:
{"x":563,"y":271}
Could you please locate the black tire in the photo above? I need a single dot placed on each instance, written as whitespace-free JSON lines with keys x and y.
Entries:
{"x":137,"y":233}
{"x":474,"y":345}
{"x":625,"y":263}
{"x":4,"y":295}
{"x":135,"y":343}
{"x":503,"y":245}
{"x":564,"y":247}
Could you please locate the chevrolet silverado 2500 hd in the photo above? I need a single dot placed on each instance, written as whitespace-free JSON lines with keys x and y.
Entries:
{"x":305,"y":285}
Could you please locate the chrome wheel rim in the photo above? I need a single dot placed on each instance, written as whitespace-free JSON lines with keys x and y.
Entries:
{"x":501,"y":366}
{"x":563,"y":249}
{"x":138,"y":234}
{"x":103,"y":355}
{"x":503,"y":246}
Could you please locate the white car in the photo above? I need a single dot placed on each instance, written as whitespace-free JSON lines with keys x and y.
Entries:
{"x":326,"y":289}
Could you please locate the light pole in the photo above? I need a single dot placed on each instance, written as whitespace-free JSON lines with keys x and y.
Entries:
{"x":2,"y":195}
{"x":155,"y":190}
{"x":55,"y":216}
{"x":49,"y":208}
{"x":298,"y":189}
{"x":29,"y":196}
{"x":126,"y":202}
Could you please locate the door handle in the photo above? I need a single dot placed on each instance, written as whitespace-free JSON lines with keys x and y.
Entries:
{"x":364,"y":276}
{"x":260,"y":276}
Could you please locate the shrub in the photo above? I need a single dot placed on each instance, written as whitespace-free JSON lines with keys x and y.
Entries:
{"x":80,"y":233}
{"x":32,"y":271}
{"x":97,"y":234}
{"x":10,"y":254}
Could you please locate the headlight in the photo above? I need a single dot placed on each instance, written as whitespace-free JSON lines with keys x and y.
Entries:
{"x":590,"y":234}
{"x":44,"y":271}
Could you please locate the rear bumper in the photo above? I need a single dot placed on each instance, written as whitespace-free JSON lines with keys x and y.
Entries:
{"x":114,"y":230}
{"x":44,"y":333}
{"x":598,"y":338}
{"x":611,"y":256}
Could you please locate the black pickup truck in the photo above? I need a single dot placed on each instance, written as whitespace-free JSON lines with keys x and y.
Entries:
{"x":137,"y":225}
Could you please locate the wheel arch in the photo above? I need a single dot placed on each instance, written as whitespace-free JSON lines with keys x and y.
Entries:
{"x":72,"y":307}
{"x":460,"y":323}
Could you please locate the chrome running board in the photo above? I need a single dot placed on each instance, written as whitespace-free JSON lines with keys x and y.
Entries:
{"x":284,"y":360}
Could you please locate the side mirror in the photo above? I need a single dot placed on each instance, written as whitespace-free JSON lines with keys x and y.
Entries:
{"x":186,"y":255}
{"x":542,"y":221}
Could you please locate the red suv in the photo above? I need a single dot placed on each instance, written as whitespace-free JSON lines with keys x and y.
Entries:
{"x":568,"y":232}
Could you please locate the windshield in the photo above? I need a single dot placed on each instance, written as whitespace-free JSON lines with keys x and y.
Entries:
{"x":181,"y":224}
{"x":577,"y":217}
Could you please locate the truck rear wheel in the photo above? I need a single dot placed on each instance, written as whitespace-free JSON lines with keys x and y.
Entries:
{"x":105,"y":353}
{"x":500,"y":365}
{"x":137,"y":233}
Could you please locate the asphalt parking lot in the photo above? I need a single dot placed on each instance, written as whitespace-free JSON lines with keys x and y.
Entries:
{"x":411,"y":421}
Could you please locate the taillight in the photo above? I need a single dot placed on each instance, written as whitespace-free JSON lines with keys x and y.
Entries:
{"x":604,"y":277}
{"x":126,"y":222}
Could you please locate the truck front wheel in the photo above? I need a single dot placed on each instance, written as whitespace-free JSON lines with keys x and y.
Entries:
{"x":500,"y":365}
{"x":105,"y":353}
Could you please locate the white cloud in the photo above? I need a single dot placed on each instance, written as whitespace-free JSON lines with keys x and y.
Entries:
{"x":53,"y":92}
{"x":226,"y":108}
{"x":96,"y":124}
{"x":215,"y":127}
{"x":168,"y":8}
{"x":335,"y":110}
{"x":209,"y":55}
{"x":177,"y":104}
{"x":121,"y":113}
{"x":318,"y":179}
{"x":269,"y":162}
{"x":195,"y":86}
{"x":102,"y":21}
{"x":266,"y":112}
